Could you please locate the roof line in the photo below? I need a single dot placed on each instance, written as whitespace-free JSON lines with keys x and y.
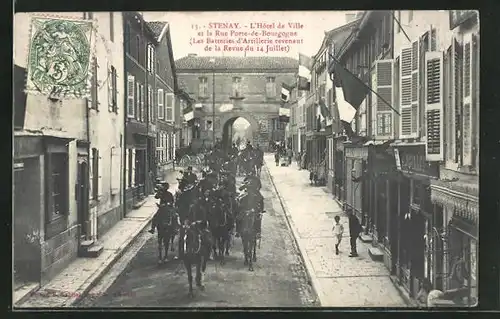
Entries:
{"x":338,"y":29}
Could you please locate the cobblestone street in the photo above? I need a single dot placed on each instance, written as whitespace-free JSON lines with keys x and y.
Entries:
{"x":279,"y":279}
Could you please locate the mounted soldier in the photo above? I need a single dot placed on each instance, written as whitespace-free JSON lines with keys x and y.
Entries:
{"x":167,"y":221}
{"x":165,"y":197}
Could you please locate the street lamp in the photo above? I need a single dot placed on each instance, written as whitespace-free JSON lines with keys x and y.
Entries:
{"x":212,"y":61}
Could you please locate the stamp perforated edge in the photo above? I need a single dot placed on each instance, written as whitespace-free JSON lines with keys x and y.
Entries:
{"x":72,"y":17}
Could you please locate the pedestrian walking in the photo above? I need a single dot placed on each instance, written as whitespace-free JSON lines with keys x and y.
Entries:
{"x":354,"y":231}
{"x":289,"y":154}
{"x":277,"y":158}
{"x":338,"y":232}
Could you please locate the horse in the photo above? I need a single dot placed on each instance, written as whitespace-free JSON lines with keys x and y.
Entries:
{"x":248,"y":236}
{"x":195,"y":253}
{"x":167,"y":228}
{"x":183,"y":199}
{"x":220,"y":226}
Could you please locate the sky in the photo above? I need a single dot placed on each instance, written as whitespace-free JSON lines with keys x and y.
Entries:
{"x":315,"y":23}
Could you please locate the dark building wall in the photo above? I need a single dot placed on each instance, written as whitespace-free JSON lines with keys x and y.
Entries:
{"x":58,"y":252}
{"x":165,"y":64}
{"x":28,"y":196}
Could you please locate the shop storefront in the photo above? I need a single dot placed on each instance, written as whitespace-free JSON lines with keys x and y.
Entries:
{"x":381,"y":202}
{"x":355,"y":167}
{"x":457,"y":203}
{"x":338,"y":188}
{"x":415,"y":215}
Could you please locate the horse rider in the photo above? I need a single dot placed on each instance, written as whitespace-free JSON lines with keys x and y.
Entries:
{"x":166,"y":199}
{"x":251,"y":198}
{"x":164,"y":213}
{"x":191,"y":177}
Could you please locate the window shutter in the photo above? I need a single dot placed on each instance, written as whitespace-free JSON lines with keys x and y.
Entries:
{"x":384,"y":113}
{"x":130,"y":96}
{"x":169,"y":117}
{"x":173,"y":144}
{"x":467,"y":101}
{"x":415,"y":88}
{"x":137,"y":104}
{"x":405,"y":92}
{"x":133,"y":167}
{"x":168,"y":146}
{"x":475,"y":100}
{"x":127,"y":168}
{"x":115,"y":89}
{"x":115,"y":170}
{"x":143,"y":111}
{"x":434,"y":149}
{"x":110,"y":89}
{"x":456,"y":60}
{"x":161,"y":106}
{"x":91,"y":175}
{"x":99,"y":175}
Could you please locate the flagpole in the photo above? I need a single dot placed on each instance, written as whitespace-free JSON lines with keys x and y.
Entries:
{"x":400,"y":26}
{"x":359,"y":80}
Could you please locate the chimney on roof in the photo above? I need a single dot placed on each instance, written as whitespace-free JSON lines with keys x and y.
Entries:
{"x":349,"y":17}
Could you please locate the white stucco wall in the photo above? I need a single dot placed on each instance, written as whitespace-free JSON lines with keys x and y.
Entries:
{"x":107,"y":127}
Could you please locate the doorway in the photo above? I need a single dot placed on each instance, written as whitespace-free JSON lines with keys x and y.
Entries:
{"x":82,"y":197}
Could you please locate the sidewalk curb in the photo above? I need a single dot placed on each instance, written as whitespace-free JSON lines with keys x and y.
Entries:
{"x":97,"y":276}
{"x":307,"y":263}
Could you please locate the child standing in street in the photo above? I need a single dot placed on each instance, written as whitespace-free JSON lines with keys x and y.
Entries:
{"x":338,"y":231}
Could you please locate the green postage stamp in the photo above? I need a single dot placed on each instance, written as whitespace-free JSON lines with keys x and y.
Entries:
{"x":59,"y":57}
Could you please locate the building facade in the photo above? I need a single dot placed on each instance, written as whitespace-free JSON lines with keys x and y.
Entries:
{"x":106,"y":125}
{"x":453,"y":241}
{"x":355,"y":183}
{"x":66,"y":177}
{"x":167,"y":104}
{"x":411,"y":168}
{"x":241,"y":87}
{"x":140,"y":102}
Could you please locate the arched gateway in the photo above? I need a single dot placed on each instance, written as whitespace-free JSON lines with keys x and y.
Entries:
{"x":247,"y":87}
{"x":227,"y":123}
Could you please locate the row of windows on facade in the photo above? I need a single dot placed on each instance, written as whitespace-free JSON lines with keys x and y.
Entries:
{"x":165,"y":102}
{"x":110,"y":81}
{"x":203,"y":90}
{"x":165,"y":147}
{"x":135,"y":170}
{"x":441,"y":106}
{"x":152,"y":61}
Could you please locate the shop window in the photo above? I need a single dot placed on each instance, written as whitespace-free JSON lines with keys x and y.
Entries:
{"x":57,"y":186}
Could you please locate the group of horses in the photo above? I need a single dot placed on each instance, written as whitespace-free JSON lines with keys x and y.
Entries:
{"x":205,"y":211}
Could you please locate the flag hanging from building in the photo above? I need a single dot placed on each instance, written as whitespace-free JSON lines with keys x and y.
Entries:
{"x":285,"y":92}
{"x":305,"y":67}
{"x":346,"y":110}
{"x":354,"y":90}
{"x":324,"y":111}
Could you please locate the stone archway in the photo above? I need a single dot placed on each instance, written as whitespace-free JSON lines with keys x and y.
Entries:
{"x":227,"y":120}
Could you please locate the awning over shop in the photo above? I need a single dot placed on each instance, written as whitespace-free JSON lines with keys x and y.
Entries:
{"x":460,"y":197}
